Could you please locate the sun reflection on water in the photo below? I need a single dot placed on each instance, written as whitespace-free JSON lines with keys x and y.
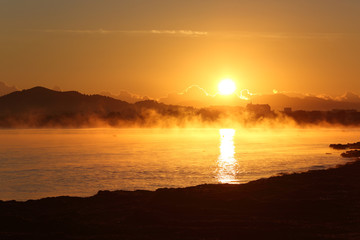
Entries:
{"x":227,"y":164}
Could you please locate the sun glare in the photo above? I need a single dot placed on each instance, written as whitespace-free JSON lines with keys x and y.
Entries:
{"x":227,"y":164}
{"x":227,"y":87}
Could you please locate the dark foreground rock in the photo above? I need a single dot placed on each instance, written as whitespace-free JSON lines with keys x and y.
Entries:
{"x":323,"y":204}
{"x":351,"y":154}
{"x":345,"y":146}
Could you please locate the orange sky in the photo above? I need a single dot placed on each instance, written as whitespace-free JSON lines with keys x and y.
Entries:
{"x":157,"y":47}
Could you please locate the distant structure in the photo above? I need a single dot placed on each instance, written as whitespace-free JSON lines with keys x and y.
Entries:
{"x":344,"y":111}
{"x":259,"y":109}
{"x":287,"y":110}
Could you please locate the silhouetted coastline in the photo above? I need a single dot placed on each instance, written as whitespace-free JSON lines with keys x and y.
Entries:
{"x":353,"y":153}
{"x":340,"y":146}
{"x":319,"y":204}
{"x":44,"y":108}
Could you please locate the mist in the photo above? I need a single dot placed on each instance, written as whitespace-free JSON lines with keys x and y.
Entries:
{"x":163,"y":116}
{"x":44,"y":108}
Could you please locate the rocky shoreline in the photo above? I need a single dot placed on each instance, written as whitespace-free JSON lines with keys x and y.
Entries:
{"x":353,"y":153}
{"x":319,"y":204}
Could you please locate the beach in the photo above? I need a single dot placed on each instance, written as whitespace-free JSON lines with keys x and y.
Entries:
{"x":318,"y":204}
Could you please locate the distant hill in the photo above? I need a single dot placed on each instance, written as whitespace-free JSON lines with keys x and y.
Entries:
{"x":42,"y":107}
{"x":41,"y":100}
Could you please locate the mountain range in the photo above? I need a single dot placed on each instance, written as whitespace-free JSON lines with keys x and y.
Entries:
{"x":42,"y":107}
{"x":198,"y":97}
{"x":45,"y":101}
{"x":309,"y":103}
{"x":41,"y":100}
{"x":35,"y":99}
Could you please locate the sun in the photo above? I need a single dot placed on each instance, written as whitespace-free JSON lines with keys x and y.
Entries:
{"x":227,"y":87}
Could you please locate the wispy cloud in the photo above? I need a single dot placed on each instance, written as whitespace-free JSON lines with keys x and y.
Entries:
{"x":180,"y":32}
{"x":245,"y":94}
{"x":103,"y":31}
{"x":193,"y":33}
{"x":195,"y":90}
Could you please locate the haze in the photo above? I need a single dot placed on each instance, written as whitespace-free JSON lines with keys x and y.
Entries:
{"x":154,"y":48}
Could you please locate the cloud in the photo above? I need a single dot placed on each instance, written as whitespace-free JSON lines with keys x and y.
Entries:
{"x":246,"y":94}
{"x":300,"y":101}
{"x":5,"y":89}
{"x":126,"y":96}
{"x":303,"y":95}
{"x":102,"y":31}
{"x":180,"y":32}
{"x":349,"y":97}
{"x":198,"y":97}
{"x":192,"y":96}
{"x":194,"y":91}
{"x":346,"y":97}
{"x":222,"y":34}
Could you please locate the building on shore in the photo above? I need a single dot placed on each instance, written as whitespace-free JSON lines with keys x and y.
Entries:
{"x":259,"y":109}
{"x":287,"y":110}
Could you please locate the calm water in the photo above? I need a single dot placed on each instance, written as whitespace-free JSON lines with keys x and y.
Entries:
{"x":43,"y":163}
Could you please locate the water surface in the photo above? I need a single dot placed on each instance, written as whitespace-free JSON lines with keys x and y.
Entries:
{"x":79,"y":162}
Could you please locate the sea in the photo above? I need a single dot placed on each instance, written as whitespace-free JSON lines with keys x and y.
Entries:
{"x":38,"y":163}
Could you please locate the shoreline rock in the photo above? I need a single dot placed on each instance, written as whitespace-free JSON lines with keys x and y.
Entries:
{"x":355,"y":153}
{"x":345,"y":146}
{"x":351,"y":154}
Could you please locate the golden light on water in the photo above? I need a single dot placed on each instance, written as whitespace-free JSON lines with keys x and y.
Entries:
{"x":227,"y":164}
